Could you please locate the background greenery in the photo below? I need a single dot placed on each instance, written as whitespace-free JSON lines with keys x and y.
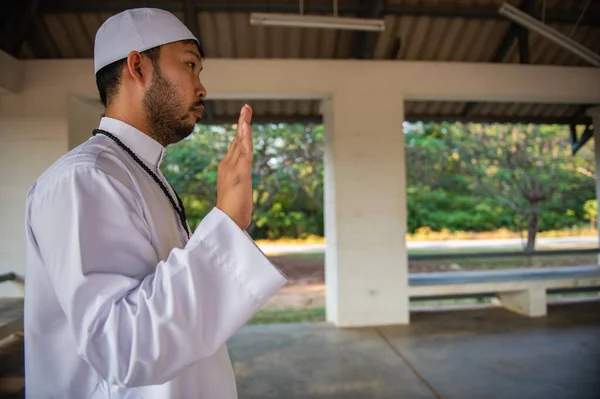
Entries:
{"x":460,"y":177}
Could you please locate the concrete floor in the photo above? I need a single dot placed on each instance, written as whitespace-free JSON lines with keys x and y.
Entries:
{"x":484,"y":353}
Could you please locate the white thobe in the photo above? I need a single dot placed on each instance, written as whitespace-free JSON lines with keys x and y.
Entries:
{"x":118,"y":302}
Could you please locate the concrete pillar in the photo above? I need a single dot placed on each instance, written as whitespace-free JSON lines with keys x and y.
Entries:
{"x":84,"y":116}
{"x":595,"y":114}
{"x":28,"y":145}
{"x":366,"y":267}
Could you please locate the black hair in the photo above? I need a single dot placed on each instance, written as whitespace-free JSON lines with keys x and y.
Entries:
{"x":109,"y":77}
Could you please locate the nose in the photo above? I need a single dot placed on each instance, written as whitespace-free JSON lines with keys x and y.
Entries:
{"x":200,"y":91}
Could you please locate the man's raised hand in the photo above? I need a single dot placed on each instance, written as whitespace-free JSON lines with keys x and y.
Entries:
{"x":234,"y":177}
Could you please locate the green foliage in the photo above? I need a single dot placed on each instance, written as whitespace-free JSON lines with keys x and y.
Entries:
{"x":590,"y":210}
{"x":287,"y":176}
{"x":482,"y":177}
{"x":459,"y":177}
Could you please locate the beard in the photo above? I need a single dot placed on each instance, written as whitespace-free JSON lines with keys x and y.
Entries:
{"x":166,"y":116}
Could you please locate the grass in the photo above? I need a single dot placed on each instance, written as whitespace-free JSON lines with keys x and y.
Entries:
{"x":315,"y":315}
{"x":288,"y":316}
{"x":308,"y":255}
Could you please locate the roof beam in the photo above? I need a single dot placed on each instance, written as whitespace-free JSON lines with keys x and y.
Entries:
{"x":364,"y":42}
{"x":523,"y":37}
{"x":504,"y":47}
{"x":317,"y":79}
{"x":512,"y":34}
{"x":489,"y":13}
{"x":576,"y":145}
{"x":579,"y":114}
{"x":580,"y":117}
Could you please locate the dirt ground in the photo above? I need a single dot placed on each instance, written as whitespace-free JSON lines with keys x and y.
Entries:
{"x":306,"y":275}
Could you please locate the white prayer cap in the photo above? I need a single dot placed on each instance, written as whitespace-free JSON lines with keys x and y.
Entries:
{"x":137,"y":29}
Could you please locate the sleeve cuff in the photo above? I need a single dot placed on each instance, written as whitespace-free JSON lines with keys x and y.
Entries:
{"x":259,"y":277}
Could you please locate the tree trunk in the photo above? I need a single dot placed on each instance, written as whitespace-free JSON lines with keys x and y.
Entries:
{"x":533,"y":222}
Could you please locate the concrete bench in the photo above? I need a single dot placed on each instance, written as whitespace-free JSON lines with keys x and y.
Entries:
{"x":520,"y":290}
{"x":11,"y":309}
{"x":11,"y":316}
{"x":12,"y":383}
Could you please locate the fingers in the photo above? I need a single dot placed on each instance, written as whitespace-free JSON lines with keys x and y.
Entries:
{"x":245,"y":116}
{"x":241,"y":145}
{"x":246,"y":141}
{"x":243,"y":120}
{"x":232,"y":146}
{"x":246,"y":133}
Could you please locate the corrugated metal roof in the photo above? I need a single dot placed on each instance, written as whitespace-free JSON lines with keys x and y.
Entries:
{"x":428,"y":30}
{"x":230,"y":35}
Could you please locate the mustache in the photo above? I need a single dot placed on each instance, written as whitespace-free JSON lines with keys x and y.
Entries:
{"x":197,"y":104}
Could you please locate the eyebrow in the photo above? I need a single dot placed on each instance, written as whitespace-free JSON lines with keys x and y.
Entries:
{"x":195,"y":54}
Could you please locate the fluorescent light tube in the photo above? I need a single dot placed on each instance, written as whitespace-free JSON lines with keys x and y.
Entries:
{"x":316,"y":21}
{"x":529,"y":22}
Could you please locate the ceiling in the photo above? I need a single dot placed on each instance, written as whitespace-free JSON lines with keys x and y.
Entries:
{"x":427,"y":30}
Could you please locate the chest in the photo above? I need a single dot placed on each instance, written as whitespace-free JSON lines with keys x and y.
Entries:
{"x":164,"y":223}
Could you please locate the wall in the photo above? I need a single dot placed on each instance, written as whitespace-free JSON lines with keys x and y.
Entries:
{"x":83,"y":117}
{"x":28,"y":145}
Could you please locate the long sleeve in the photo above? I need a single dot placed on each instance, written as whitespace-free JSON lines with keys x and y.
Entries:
{"x":136,"y":320}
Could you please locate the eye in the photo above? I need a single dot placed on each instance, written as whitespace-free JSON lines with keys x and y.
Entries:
{"x":192,"y":64}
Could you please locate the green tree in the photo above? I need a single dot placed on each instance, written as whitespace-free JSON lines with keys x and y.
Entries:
{"x":459,"y":177}
{"x":525,"y":167}
{"x":590,"y":208}
{"x":287,"y":176}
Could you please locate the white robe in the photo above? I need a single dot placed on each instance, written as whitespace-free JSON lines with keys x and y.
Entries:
{"x":118,"y":303}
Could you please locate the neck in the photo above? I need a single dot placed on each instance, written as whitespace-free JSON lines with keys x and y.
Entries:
{"x":132,"y":118}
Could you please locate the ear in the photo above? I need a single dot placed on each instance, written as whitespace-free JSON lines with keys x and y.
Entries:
{"x":138,"y":68}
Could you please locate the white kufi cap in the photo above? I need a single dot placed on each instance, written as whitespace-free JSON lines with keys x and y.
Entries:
{"x":138,"y":29}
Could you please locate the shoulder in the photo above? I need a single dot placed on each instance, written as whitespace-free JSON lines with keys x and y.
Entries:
{"x":87,"y":167}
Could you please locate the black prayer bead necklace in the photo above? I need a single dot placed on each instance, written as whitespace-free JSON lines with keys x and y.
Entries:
{"x":180,"y":210}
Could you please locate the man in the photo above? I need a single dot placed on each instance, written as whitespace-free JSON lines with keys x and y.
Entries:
{"x":122,"y":298}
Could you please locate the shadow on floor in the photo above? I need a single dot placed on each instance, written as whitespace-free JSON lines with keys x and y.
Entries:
{"x":487,"y":353}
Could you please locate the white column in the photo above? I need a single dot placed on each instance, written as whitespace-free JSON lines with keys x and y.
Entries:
{"x":365,"y":209}
{"x":28,"y":145}
{"x":595,"y":114}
